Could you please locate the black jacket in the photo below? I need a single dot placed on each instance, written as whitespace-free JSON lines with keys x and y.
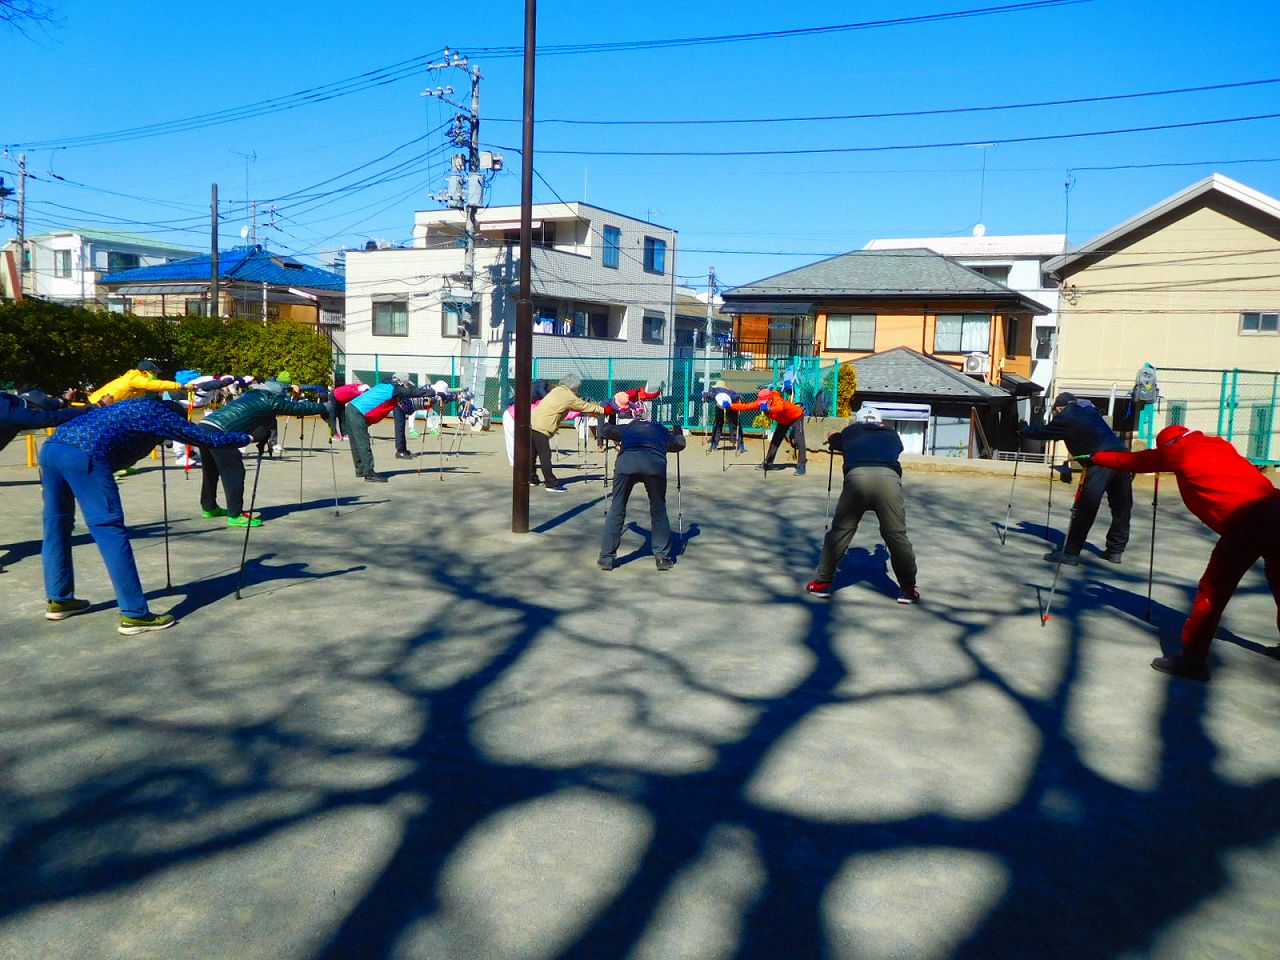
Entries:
{"x":868,"y":445}
{"x":15,"y":416}
{"x":1081,"y":426}
{"x":644,"y":445}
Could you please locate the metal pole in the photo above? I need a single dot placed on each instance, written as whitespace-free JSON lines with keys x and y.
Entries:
{"x":302,"y":456}
{"x":333,"y":468}
{"x":22,"y":225}
{"x":1151,"y":563}
{"x":253,"y":499}
{"x":831,"y":469}
{"x":710,"y":329}
{"x":524,"y":306}
{"x":164,"y":499}
{"x":214,"y":310}
{"x":679,"y":507}
{"x":1004,"y":536}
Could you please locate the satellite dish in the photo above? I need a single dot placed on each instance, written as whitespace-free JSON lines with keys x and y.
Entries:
{"x":244,"y":233}
{"x":980,"y":230}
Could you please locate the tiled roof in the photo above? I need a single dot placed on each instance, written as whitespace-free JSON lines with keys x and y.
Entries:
{"x":908,"y":373}
{"x":243,"y":264}
{"x":878,"y":273}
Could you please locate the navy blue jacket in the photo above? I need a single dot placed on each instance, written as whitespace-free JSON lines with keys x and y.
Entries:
{"x":125,"y":431}
{"x":868,"y":445}
{"x":16,"y":416}
{"x":1081,"y":426}
{"x":644,"y":446}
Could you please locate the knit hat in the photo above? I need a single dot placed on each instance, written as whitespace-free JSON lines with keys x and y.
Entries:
{"x":620,"y":400}
{"x":1063,"y":400}
{"x":1175,"y":431}
{"x":869,"y":415}
{"x":285,"y":377}
{"x":148,"y":366}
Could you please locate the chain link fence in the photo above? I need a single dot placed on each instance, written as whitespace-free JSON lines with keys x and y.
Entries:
{"x":1239,"y":405}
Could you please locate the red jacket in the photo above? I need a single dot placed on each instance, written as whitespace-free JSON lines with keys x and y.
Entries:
{"x":779,"y":410}
{"x":1214,"y":480}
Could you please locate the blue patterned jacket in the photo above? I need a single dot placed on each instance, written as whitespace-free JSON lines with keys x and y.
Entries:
{"x":124,"y":432}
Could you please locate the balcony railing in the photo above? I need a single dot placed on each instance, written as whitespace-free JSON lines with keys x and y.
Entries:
{"x":759,"y":354}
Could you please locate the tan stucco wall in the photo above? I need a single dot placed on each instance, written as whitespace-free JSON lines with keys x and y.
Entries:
{"x":1174,"y":299}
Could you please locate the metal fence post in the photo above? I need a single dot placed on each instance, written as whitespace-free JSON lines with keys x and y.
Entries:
{"x":835,"y":388}
{"x":609,"y":378}
{"x":1222,"y":402}
{"x":1231,"y":405}
{"x":1271,"y":416}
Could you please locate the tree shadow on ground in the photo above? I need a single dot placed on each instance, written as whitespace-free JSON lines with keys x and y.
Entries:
{"x":1091,"y":868}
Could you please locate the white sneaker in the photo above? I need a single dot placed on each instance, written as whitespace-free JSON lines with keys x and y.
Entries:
{"x":277,"y":450}
{"x":185,"y":462}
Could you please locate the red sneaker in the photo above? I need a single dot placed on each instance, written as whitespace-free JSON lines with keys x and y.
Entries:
{"x":818,"y":588}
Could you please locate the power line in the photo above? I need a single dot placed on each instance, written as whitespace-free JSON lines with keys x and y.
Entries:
{"x":893,"y":147}
{"x":944,"y":111}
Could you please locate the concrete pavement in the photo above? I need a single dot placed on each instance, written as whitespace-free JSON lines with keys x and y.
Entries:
{"x":421,"y":736}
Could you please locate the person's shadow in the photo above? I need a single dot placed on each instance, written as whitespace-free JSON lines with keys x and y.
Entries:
{"x":861,"y":565}
{"x":257,"y":572}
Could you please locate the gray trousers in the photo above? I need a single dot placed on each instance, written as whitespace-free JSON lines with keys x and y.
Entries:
{"x":878,"y":489}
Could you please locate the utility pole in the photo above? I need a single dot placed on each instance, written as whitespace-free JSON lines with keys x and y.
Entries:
{"x":213,"y":254}
{"x":524,"y":305}
{"x":22,"y":223}
{"x":706,"y":336}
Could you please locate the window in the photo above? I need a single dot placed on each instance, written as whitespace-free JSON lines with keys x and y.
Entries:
{"x":1044,"y":342}
{"x":391,"y":319}
{"x":652,"y":330}
{"x":1011,"y":336}
{"x":450,"y":320}
{"x":1263,"y":323}
{"x":1000,"y":274}
{"x":962,"y":333}
{"x":62,"y":263}
{"x":121,"y":261}
{"x":196,"y":308}
{"x":119,"y":304}
{"x":655,"y":255}
{"x":544,"y":319}
{"x":851,"y":331}
{"x":612,"y":244}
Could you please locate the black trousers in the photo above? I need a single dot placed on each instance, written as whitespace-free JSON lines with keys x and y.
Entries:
{"x":226,"y":465}
{"x":540,"y":449}
{"x":796,"y":432}
{"x":660,"y":525}
{"x":1118,"y":486}
{"x":735,"y":424}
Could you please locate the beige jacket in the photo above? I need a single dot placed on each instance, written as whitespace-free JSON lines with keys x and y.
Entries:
{"x":549,"y":414}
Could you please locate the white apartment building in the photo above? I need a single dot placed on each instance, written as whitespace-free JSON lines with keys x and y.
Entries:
{"x":602,"y":286}
{"x":1018,"y":262}
{"x":64,"y":265}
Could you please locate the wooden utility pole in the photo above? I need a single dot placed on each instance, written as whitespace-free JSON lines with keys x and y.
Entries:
{"x":524,"y":305}
{"x":214,"y":310}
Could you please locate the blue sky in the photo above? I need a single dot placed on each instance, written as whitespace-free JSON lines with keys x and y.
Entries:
{"x":107,"y":67}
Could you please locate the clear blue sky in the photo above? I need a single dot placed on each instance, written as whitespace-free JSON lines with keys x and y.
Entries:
{"x":107,"y":67}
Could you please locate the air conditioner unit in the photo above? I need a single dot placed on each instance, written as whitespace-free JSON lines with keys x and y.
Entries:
{"x":977,"y":364}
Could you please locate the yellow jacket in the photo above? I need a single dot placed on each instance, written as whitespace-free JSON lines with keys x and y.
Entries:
{"x":548,"y":414}
{"x":131,"y":385}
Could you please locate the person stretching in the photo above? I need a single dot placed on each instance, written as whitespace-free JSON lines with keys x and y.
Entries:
{"x":642,"y":459}
{"x":789,"y":418}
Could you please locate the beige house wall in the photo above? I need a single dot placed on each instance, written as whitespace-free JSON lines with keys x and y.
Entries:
{"x":1172,"y":298}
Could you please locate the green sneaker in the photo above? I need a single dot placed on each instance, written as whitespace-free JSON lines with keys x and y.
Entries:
{"x":126,"y":472}
{"x":61,"y":609}
{"x":244,"y":520}
{"x":215,"y":512}
{"x":131,"y":626}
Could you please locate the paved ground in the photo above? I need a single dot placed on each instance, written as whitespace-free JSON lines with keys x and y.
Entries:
{"x":419,"y":736}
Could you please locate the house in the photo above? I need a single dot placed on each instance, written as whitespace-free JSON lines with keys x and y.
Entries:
{"x":868,"y":302}
{"x":10,"y":288}
{"x":1016,"y":261}
{"x":252,"y":282}
{"x":1188,"y":285}
{"x":603,"y":286}
{"x":65,"y":265}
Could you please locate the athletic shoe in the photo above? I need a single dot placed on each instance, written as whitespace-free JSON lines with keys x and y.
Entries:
{"x":557,"y":488}
{"x":800,"y":471}
{"x":414,"y":434}
{"x":1189,"y":668}
{"x":215,"y":512}
{"x":244,"y":520}
{"x":375,"y":478}
{"x":1061,"y":556}
{"x":909,"y":596}
{"x":277,"y":450}
{"x":1112,"y":556}
{"x":61,"y":609}
{"x":185,"y":462}
{"x":741,"y":448}
{"x":126,"y":472}
{"x":131,"y":626}
{"x":403,"y":455}
{"x":605,"y":563}
{"x":818,"y":588}
{"x":664,"y":563}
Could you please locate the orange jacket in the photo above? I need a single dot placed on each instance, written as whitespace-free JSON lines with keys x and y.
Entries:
{"x":779,"y":409}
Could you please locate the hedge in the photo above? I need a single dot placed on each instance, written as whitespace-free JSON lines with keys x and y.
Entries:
{"x":53,"y":347}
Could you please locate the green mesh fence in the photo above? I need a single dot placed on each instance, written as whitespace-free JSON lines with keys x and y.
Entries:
{"x":1239,"y":405}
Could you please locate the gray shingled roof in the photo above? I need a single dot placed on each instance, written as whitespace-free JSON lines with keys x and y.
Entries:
{"x":906,"y":372}
{"x":882,"y":273}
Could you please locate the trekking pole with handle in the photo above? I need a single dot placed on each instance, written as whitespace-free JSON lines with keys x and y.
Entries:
{"x":1044,"y":617}
{"x":302,"y":455}
{"x":333,"y":468}
{"x":1151,"y":563}
{"x":164,"y":500}
{"x":1004,"y":536}
{"x":679,"y":506}
{"x":253,"y":499}
{"x":1048,"y":510}
{"x":831,"y":469}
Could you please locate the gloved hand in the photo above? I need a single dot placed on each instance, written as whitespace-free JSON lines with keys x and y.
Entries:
{"x":764,"y":406}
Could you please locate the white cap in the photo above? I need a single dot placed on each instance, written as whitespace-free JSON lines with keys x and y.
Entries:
{"x":869,"y":415}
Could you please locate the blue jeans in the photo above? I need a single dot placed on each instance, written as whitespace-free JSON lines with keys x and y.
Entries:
{"x":71,"y":475}
{"x":660,"y":526}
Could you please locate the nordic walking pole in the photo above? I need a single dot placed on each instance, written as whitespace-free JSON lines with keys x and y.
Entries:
{"x":333,"y":468}
{"x":1044,"y":617}
{"x":164,"y":500}
{"x":253,"y":499}
{"x":679,"y":506}
{"x":831,"y":469}
{"x":440,"y":434}
{"x":1004,"y":536}
{"x":1151,"y":563}
{"x":1048,"y":510}
{"x":302,"y":455}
